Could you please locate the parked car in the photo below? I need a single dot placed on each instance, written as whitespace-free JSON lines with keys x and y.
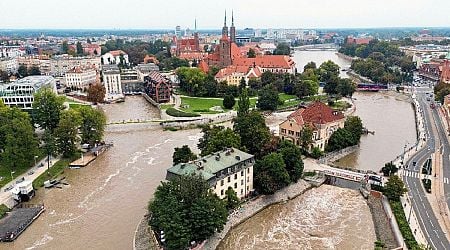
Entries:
{"x":20,"y":180}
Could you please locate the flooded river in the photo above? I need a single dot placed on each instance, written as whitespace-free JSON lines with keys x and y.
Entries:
{"x":324,"y":218}
{"x":106,"y":200}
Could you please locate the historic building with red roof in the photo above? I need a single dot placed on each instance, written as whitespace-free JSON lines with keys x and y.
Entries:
{"x":319,"y":116}
{"x":445,"y":75}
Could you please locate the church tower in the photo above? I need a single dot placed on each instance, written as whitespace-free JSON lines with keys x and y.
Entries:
{"x":225,"y":28}
{"x":232,"y":29}
{"x":196,"y":39}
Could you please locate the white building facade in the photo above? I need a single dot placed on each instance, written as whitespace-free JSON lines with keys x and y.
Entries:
{"x":80,"y":78}
{"x":112,"y":82}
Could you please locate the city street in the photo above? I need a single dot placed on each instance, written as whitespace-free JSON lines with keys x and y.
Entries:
{"x":422,"y":207}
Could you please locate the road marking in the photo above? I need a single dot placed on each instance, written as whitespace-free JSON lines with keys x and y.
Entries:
{"x":431,"y":223}
{"x":427,"y":213}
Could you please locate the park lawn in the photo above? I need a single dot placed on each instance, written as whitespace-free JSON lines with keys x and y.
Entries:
{"x":166,"y":106}
{"x":55,"y":170}
{"x":201,"y":105}
{"x":284,"y":97}
{"x":341,"y":105}
{"x":6,"y":173}
{"x":76,"y":106}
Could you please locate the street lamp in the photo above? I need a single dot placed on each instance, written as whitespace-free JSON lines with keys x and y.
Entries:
{"x":35,"y":158}
{"x":12,"y":172}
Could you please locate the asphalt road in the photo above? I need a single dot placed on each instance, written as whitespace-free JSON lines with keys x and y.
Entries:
{"x":427,"y":219}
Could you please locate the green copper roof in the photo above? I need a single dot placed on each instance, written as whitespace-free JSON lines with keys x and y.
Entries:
{"x":448,"y":55}
{"x":209,"y":165}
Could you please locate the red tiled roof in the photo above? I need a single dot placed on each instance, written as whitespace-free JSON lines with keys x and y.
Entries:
{"x":316,"y":113}
{"x":230,"y":70}
{"x":203,"y":66}
{"x":117,"y":52}
{"x":271,"y":61}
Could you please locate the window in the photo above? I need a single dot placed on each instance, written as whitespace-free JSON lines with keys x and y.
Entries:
{"x":235,"y":176}
{"x":242,"y":191}
{"x":229,"y":178}
{"x":221,"y":191}
{"x":235,"y":185}
{"x":221,"y":183}
{"x":242,"y":173}
{"x":242,"y":182}
{"x":248,"y":170}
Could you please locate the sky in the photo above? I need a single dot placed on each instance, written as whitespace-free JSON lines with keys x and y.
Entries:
{"x":166,"y":14}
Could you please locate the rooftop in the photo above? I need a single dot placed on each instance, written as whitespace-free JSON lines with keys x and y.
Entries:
{"x":211,"y":164}
{"x":316,"y":113}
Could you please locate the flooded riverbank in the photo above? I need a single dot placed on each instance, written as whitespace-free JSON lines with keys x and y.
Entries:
{"x":106,"y":200}
{"x":324,"y":218}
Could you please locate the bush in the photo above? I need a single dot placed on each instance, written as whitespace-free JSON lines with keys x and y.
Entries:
{"x":3,"y":210}
{"x":179,"y":113}
{"x":402,"y":222}
{"x":229,"y":102}
{"x":316,"y":153}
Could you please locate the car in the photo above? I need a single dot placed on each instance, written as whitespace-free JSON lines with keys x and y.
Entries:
{"x":414,"y":163}
{"x":20,"y":180}
{"x":9,"y":188}
{"x":31,"y":172}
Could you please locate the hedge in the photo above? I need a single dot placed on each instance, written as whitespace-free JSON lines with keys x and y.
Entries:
{"x":179,"y":113}
{"x":402,"y":222}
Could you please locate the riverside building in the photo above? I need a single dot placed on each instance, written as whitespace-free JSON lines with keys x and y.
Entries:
{"x":229,"y":168}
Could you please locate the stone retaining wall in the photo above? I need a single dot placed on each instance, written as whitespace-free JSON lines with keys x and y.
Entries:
{"x":380,"y":220}
{"x":336,"y":155}
{"x":251,"y":208}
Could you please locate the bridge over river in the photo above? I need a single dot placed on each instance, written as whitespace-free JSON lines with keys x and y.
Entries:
{"x":317,"y":47}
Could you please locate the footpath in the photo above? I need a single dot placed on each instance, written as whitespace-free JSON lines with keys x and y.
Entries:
{"x":38,"y":169}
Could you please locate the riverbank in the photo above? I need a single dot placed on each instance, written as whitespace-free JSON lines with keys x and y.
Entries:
{"x":253,"y":207}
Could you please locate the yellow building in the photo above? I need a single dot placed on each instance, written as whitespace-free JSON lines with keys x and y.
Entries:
{"x":320,"y":117}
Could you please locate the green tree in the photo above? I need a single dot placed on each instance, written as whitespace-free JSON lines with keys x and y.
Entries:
{"x":354,"y":125}
{"x":93,"y":123}
{"x":310,"y":65}
{"x":65,"y":47}
{"x":316,"y":153}
{"x":183,"y":155}
{"x":292,"y":158}
{"x":228,"y":102}
{"x":22,"y":71}
{"x":186,"y":210}
{"x":217,"y":138}
{"x":328,"y":70}
{"x":345,"y":87}
{"x":67,"y":133}
{"x":268,"y":98}
{"x":253,"y":131}
{"x":96,"y":93}
{"x":243,"y":103}
{"x":34,"y":71}
{"x":251,"y":53}
{"x":50,"y":145}
{"x":282,"y":49}
{"x":389,"y":169}
{"x":232,"y":201}
{"x":340,"y":139}
{"x":79,"y":48}
{"x":191,"y":79}
{"x":18,"y":144}
{"x":271,"y":174}
{"x":306,"y":137}
{"x":331,"y":87}
{"x":47,"y":107}
{"x":4,"y":76}
{"x":395,"y":188}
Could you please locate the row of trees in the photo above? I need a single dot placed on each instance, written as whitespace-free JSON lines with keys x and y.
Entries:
{"x":381,"y":61}
{"x":440,"y":91}
{"x":22,"y":71}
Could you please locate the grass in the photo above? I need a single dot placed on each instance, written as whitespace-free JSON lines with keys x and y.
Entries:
{"x":284,"y":97}
{"x":399,"y":214}
{"x":56,"y":170}
{"x":6,"y":172}
{"x":341,"y":105}
{"x":76,"y":105}
{"x":3,"y":210}
{"x":166,"y":106}
{"x":178,"y":113}
{"x":200,"y":104}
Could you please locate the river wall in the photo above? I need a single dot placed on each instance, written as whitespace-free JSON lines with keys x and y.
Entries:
{"x":336,"y":155}
{"x":343,"y":56}
{"x":249,"y":209}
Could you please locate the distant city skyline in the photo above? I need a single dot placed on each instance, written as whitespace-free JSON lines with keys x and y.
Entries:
{"x":138,"y":14}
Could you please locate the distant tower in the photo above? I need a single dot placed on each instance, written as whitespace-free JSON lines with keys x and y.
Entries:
{"x":232,"y":29}
{"x":196,"y":39}
{"x":225,"y":28}
{"x":178,"y":31}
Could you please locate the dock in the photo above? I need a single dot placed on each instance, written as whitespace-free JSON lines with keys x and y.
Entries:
{"x":19,"y":219}
{"x":90,"y":156}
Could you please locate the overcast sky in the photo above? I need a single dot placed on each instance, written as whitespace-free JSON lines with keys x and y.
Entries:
{"x":166,"y":14}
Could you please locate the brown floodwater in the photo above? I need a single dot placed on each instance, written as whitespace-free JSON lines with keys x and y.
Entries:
{"x":391,"y":117}
{"x":324,"y":218}
{"x":105,"y":201}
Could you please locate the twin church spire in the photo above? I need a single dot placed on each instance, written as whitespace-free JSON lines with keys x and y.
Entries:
{"x":232,"y":28}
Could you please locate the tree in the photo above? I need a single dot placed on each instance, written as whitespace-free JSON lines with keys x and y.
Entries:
{"x":306,"y":88}
{"x":186,"y":210}
{"x":34,"y":71}
{"x":267,"y":78}
{"x":93,"y":123}
{"x":271,"y":174}
{"x":96,"y":93}
{"x":65,"y":47}
{"x":306,"y":137}
{"x":50,"y":145}
{"x":191,"y":79}
{"x":47,"y":107}
{"x":79,"y":48}
{"x":183,"y":155}
{"x":67,"y":132}
{"x":389,"y":169}
{"x":253,"y":131}
{"x":243,"y":103}
{"x":231,"y":199}
{"x":251,"y":53}
{"x":217,"y":138}
{"x":268,"y":98}
{"x":18,"y":144}
{"x":282,"y":49}
{"x":340,"y":139}
{"x":354,"y":125}
{"x":328,"y":70}
{"x":395,"y":188}
{"x":242,"y":84}
{"x":310,"y":65}
{"x":22,"y":71}
{"x":331,"y":86}
{"x":345,"y":87}
{"x":4,"y":76}
{"x":228,"y":102}
{"x":292,"y":158}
